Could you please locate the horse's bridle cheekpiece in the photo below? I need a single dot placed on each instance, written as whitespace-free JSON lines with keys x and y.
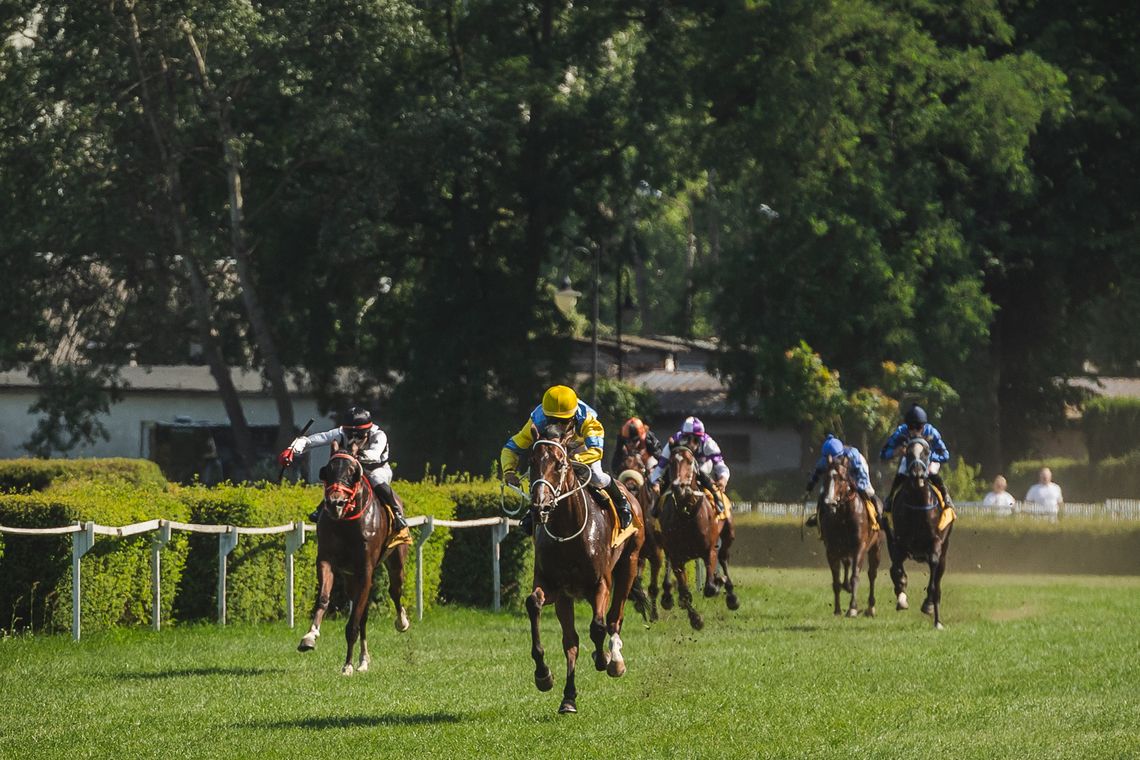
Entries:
{"x":544,"y":512}
{"x":350,"y":493}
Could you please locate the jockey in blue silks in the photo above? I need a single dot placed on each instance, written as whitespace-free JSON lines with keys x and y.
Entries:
{"x":833,"y":447}
{"x":915,"y":425}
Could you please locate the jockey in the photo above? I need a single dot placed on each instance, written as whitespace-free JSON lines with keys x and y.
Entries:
{"x":356,"y":427}
{"x":833,"y":447}
{"x":635,"y":430}
{"x":710,"y":462}
{"x":560,"y":405}
{"x":916,"y":426}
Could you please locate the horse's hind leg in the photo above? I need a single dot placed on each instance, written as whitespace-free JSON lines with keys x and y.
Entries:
{"x":898,"y":577}
{"x":396,"y":561}
{"x":564,"y":609}
{"x":667,"y":585}
{"x":872,"y":571}
{"x":936,"y":572}
{"x":598,"y":624}
{"x":656,"y":559}
{"x":623,"y":578}
{"x":360,"y":592}
{"x":836,"y":584}
{"x":727,"y":536}
{"x":543,"y":679}
{"x":856,"y":563}
{"x":320,"y":606}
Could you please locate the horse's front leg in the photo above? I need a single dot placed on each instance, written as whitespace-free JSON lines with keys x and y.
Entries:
{"x":898,"y":577}
{"x":359,"y":593}
{"x":727,"y":538}
{"x":936,"y":571}
{"x":685,"y":596}
{"x":872,"y":571}
{"x":564,"y":609}
{"x":396,"y":562}
{"x":543,"y":678}
{"x":598,"y":624}
{"x":710,"y":560}
{"x":836,"y":584}
{"x":655,"y":561}
{"x":856,"y":564}
{"x":320,"y":606}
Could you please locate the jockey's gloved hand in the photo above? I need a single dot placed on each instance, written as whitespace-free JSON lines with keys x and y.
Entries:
{"x":511,"y":478}
{"x":285,"y":458}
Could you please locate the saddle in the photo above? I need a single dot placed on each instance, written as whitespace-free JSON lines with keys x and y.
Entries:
{"x":618,"y":536}
{"x":395,"y":539}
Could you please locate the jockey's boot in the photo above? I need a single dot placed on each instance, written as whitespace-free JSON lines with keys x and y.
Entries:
{"x":937,"y":482}
{"x":625,"y":513}
{"x":526,"y":523}
{"x":315,"y":515}
{"x":718,"y":498}
{"x":392,"y":500}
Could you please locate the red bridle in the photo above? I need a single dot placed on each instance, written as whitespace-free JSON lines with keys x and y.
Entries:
{"x":350,"y":493}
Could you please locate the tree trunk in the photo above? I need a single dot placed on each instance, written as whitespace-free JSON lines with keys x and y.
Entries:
{"x":263,"y":337}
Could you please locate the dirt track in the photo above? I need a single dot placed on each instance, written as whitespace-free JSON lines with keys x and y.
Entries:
{"x":987,"y":547}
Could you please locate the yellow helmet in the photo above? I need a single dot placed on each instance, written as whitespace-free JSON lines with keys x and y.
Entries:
{"x":560,"y":401}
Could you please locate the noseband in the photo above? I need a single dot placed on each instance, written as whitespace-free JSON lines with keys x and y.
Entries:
{"x":544,"y":511}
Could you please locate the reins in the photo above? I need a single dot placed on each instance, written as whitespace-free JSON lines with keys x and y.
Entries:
{"x":560,"y":497}
{"x":351,"y":493}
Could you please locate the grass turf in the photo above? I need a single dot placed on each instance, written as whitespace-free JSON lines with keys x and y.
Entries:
{"x":1029,"y":666}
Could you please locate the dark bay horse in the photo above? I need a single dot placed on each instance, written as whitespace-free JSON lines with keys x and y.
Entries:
{"x":352,"y":536}
{"x":690,"y":530}
{"x":847,"y":535}
{"x":574,"y":559}
{"x":915,"y":516}
{"x":635,"y":469}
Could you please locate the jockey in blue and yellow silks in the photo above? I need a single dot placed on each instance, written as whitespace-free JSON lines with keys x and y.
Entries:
{"x":859,"y":470}
{"x":560,"y":404}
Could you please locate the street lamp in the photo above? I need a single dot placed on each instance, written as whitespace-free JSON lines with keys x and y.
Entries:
{"x":566,"y":297}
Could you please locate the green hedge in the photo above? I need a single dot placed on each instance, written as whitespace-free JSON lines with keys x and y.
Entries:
{"x":1111,"y":427}
{"x":36,"y":592}
{"x":466,"y":574}
{"x":40,"y":474}
{"x":1080,"y":481}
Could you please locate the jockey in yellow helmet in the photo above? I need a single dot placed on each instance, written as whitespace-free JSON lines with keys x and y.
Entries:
{"x":560,"y":405}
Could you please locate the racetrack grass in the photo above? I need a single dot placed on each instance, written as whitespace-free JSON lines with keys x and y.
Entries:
{"x":1029,"y":667}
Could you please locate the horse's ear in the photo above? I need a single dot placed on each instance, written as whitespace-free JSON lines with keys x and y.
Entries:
{"x":323,"y":473}
{"x":335,"y":446}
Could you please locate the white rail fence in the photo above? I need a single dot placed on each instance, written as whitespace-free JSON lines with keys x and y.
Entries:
{"x":1110,"y":509}
{"x":83,"y":539}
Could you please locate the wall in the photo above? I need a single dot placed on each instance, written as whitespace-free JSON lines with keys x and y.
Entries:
{"x":769,"y":449}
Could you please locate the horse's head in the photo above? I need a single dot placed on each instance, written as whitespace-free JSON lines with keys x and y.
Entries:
{"x":633,"y":456}
{"x":917,"y":460}
{"x":343,"y":477}
{"x":838,"y":483}
{"x":551,"y":473}
{"x":683,"y":474}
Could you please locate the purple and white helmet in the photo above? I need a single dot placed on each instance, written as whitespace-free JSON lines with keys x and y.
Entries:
{"x":693,"y":426}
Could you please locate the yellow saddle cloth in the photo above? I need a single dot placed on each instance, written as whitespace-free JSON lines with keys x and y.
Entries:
{"x":727,"y":513}
{"x":396,"y":539}
{"x":618,"y":536}
{"x":946,"y":514}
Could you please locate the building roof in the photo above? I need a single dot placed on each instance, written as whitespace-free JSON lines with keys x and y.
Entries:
{"x":177,"y":378}
{"x":688,"y":392}
{"x":1111,"y":387}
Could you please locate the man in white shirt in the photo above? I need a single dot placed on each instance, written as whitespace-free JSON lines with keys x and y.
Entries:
{"x":1045,"y":494}
{"x":999,"y":499}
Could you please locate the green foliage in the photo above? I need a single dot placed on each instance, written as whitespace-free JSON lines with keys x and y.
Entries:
{"x":72,"y":398}
{"x":466,"y":575}
{"x":617,"y":401}
{"x":116,"y":573}
{"x":1111,"y":427}
{"x":39,"y":474}
{"x":964,"y":481}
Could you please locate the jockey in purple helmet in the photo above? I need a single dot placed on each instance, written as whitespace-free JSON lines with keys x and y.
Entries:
{"x":833,"y":447}
{"x":915,"y":425}
{"x":712,"y":472}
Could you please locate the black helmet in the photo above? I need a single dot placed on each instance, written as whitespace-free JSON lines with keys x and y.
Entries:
{"x":356,"y":417}
{"x":915,"y":416}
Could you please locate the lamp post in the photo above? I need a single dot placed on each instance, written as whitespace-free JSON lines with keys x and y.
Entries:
{"x":566,"y":298}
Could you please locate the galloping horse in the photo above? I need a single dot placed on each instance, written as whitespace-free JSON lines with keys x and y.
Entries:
{"x":916,"y":515}
{"x":690,"y":530}
{"x":635,"y":476}
{"x":353,"y":536}
{"x":574,"y":558}
{"x":848,"y":535}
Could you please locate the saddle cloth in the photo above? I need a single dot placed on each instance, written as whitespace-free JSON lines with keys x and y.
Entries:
{"x":396,"y":539}
{"x":618,"y":536}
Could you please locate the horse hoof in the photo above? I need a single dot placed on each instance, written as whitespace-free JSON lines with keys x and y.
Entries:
{"x":852,"y":612}
{"x":544,"y":681}
{"x":711,"y":589}
{"x":903,"y":604}
{"x":346,"y":670}
{"x":402,"y":622}
{"x":616,"y":668}
{"x":308,"y":644}
{"x":667,"y":602}
{"x":870,"y":612}
{"x":567,"y":707}
{"x":696,"y":621}
{"x":732,"y":602}
{"x":601,"y":660}
{"x":939,"y":627}
{"x":362,"y":667}
{"x":653,"y":616}
{"x":927,"y":607}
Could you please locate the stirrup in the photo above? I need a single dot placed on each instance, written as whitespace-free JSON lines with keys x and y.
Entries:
{"x":398,"y":521}
{"x":812,"y":520}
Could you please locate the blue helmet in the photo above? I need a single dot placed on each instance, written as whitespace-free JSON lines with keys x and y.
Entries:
{"x":832,"y":446}
{"x":915,"y":416}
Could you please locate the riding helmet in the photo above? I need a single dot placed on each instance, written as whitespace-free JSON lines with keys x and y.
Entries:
{"x":356,"y":418}
{"x":832,"y":446}
{"x":633,"y":428}
{"x":560,"y":401}
{"x":693,"y":426}
{"x":915,"y":416}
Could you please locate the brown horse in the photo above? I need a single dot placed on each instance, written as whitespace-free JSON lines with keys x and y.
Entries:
{"x":574,"y":559}
{"x":915,"y":515}
{"x":352,"y":536}
{"x":848,"y":535}
{"x":690,"y":530}
{"x":635,"y":469}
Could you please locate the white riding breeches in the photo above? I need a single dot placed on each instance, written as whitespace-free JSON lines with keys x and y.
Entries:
{"x":932,"y":469}
{"x":598,"y":478}
{"x":380,"y":475}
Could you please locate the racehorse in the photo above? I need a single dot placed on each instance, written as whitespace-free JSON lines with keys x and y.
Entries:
{"x":848,"y":535}
{"x":574,"y":558}
{"x":915,"y":515}
{"x":690,"y":530}
{"x":353,"y":534}
{"x":635,"y":476}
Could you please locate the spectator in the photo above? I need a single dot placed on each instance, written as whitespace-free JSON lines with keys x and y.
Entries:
{"x":999,"y":499}
{"x":1045,"y":494}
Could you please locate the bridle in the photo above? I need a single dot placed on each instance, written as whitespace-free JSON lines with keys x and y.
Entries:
{"x":675,"y":457}
{"x":352,"y":493}
{"x":547,"y":507}
{"x":837,"y":472}
{"x":918,"y":468}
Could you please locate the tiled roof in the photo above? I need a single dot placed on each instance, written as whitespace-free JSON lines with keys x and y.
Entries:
{"x":688,"y":392}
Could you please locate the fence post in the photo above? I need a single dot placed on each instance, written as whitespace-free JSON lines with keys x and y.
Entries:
{"x":421,"y":539}
{"x":81,"y":543}
{"x":498,"y":533}
{"x":226,"y":543}
{"x":293,"y":542}
{"x":157,"y":543}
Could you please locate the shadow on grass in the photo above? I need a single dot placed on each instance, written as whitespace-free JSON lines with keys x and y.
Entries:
{"x":357,"y":721}
{"x":158,"y":675}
